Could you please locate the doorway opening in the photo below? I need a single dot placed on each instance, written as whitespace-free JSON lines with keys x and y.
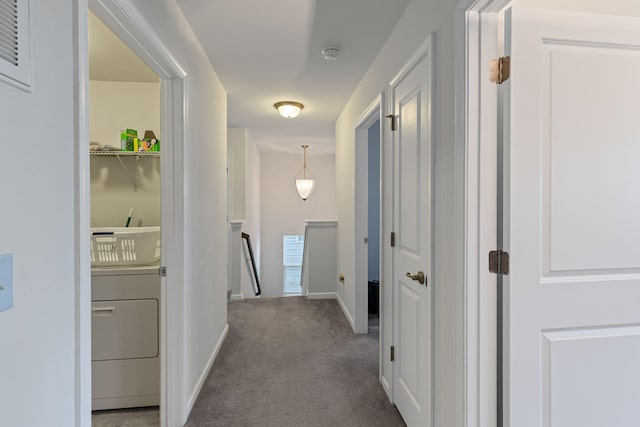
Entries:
{"x":372,"y":305}
{"x":137,"y":170}
{"x":373,"y":225}
{"x":125,"y":192}
{"x":368,"y":219}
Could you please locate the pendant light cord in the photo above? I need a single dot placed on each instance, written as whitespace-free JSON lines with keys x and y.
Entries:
{"x":304,"y":167}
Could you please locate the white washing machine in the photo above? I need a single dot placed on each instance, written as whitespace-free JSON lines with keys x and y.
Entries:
{"x":125,"y":337}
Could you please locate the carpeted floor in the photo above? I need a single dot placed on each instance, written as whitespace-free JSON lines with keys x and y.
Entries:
{"x":294,"y":362}
{"x":135,"y":417}
{"x":285,"y":362}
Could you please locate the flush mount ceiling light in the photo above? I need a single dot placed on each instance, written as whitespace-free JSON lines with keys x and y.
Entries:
{"x":288,"y":109}
{"x":304,"y":185}
{"x":331,"y":54}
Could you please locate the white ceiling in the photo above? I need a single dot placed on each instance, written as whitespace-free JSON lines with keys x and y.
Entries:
{"x":269,"y":51}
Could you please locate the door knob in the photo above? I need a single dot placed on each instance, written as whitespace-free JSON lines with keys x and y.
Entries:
{"x":419,"y":277}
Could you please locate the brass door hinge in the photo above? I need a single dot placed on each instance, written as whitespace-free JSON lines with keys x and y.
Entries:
{"x":500,"y":70}
{"x":499,"y":262}
{"x":393,"y":353}
{"x":393,"y":121}
{"x":393,"y":239}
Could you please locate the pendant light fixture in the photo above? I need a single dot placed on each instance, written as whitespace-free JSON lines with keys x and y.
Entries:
{"x":288,"y":109}
{"x":304,"y":185}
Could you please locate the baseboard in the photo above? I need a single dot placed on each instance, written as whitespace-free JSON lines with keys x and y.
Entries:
{"x":205,"y":372}
{"x":236,"y":297}
{"x":322,"y":295}
{"x":387,"y":388}
{"x":346,"y":312}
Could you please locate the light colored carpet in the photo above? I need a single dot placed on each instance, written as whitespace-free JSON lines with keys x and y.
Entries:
{"x":135,"y":417}
{"x":294,"y":362}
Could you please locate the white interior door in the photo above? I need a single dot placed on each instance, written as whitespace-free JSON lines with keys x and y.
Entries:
{"x":411,"y":98}
{"x":572,"y":223}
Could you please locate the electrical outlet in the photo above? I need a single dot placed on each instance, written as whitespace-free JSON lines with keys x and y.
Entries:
{"x":6,"y":282}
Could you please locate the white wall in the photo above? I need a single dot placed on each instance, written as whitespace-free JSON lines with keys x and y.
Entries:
{"x":37,"y":361}
{"x":245,"y":173}
{"x":320,"y":272}
{"x":205,"y":212}
{"x":37,"y":351}
{"x":114,"y":106}
{"x":284,"y":212}
{"x":112,"y":194}
{"x":236,"y":141}
{"x":420,"y":18}
{"x":252,"y":226}
{"x":120,"y":105}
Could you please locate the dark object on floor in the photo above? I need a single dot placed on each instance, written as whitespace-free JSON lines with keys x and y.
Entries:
{"x":294,"y":362}
{"x":256,"y":282}
{"x":374,"y":297}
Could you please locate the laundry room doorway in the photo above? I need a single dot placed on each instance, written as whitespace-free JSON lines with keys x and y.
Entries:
{"x":125,"y":192}
{"x":130,"y":118}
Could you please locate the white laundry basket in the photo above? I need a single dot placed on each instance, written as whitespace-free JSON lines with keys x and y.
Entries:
{"x":117,"y":246}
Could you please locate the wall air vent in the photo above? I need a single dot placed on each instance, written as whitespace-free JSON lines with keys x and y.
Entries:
{"x":9,"y":33}
{"x":14,"y":42}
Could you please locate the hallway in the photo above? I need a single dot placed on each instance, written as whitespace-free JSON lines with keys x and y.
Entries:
{"x":293,"y":362}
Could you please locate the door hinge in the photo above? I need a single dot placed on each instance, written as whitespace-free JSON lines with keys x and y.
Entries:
{"x":393,"y":353}
{"x":162,"y":271}
{"x":393,"y":121}
{"x":393,"y":239}
{"x":500,"y":70}
{"x":366,"y":240}
{"x":499,"y":262}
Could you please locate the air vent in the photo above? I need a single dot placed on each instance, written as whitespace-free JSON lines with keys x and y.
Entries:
{"x":9,"y":31}
{"x":14,"y":42}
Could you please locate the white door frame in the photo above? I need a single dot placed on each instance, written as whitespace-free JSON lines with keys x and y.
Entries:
{"x":124,"y":19}
{"x":374,"y":112}
{"x":477,"y":118}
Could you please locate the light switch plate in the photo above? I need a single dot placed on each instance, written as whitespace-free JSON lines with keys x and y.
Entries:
{"x":6,"y":282}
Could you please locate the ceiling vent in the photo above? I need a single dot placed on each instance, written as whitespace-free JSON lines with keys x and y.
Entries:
{"x":14,"y":42}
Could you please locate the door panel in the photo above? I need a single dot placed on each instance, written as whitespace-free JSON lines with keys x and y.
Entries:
{"x":411,"y":97}
{"x":572,"y":334}
{"x":584,"y":386}
{"x":408,"y":341}
{"x":590,"y":149}
{"x":409,"y":174}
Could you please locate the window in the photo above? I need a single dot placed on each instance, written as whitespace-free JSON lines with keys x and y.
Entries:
{"x":292,"y":249}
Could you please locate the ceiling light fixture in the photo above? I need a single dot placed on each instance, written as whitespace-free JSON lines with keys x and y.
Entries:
{"x":288,"y":109}
{"x":305,"y":185}
{"x":331,"y":54}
